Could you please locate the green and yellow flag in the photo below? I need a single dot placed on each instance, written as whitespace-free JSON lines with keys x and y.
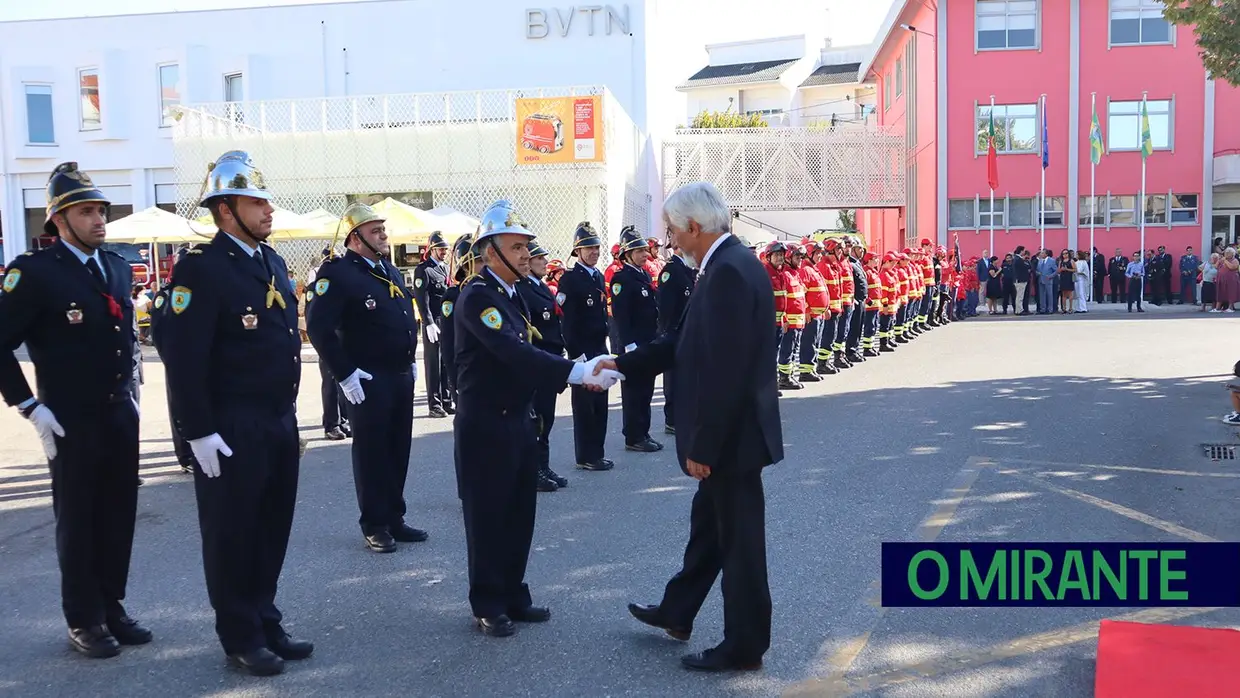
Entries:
{"x":1147,"y":143}
{"x":1095,"y":139}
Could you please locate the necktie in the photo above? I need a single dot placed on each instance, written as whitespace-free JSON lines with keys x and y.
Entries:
{"x":96,"y":272}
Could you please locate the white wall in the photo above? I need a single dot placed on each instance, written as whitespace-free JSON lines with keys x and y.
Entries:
{"x":796,"y":223}
{"x":720,"y":99}
{"x":775,"y":49}
{"x":818,"y":104}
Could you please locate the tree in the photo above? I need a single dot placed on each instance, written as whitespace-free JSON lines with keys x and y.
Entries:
{"x":727,"y":119}
{"x":1217,"y":28}
{"x":848,"y":219}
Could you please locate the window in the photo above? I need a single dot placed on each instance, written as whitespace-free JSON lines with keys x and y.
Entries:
{"x":1007,"y":24}
{"x":984,"y":214}
{"x":1156,"y":209}
{"x":1124,"y":125}
{"x":40,"y":129}
{"x":960,"y":213}
{"x":169,"y":92}
{"x":1053,"y":211}
{"x":1122,"y":210}
{"x":1016,"y":128}
{"x":887,"y":92}
{"x":88,"y":98}
{"x":233,"y":87}
{"x":1020,"y":212}
{"x":899,"y":76}
{"x":1138,"y":22}
{"x":1100,"y":210}
{"x":1183,"y":208}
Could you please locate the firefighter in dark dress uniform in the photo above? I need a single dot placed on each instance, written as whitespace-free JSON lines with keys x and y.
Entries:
{"x":583,"y":300}
{"x":232,"y":352}
{"x":180,"y":447}
{"x":675,"y":285}
{"x":499,"y":371}
{"x":70,"y":304}
{"x":635,"y":312}
{"x":545,"y":317}
{"x":361,"y":323}
{"x":430,"y":283}
{"x":463,"y":263}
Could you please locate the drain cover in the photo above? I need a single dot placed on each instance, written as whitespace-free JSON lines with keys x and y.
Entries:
{"x":1217,"y":452}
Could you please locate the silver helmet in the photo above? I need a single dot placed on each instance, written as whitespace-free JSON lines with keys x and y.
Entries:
{"x":234,"y":174}
{"x":501,"y":219}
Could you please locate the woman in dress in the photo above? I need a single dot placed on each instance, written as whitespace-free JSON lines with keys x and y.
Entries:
{"x":994,"y":285}
{"x":1227,"y":283}
{"x":1209,"y":273}
{"x":1081,"y":286}
{"x":1067,"y":281}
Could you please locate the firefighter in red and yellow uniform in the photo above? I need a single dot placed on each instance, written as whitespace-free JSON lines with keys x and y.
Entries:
{"x":555,"y":269}
{"x":890,"y":280}
{"x":818,"y":304}
{"x":902,"y":299}
{"x":773,"y":260}
{"x":795,"y":311}
{"x":654,"y":264}
{"x":829,"y":267}
{"x":848,"y":296}
{"x":916,"y":291}
{"x":873,"y":305}
{"x":816,"y":257}
{"x":929,"y":287}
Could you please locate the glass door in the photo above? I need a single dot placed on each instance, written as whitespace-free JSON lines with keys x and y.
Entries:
{"x":1225,"y":225}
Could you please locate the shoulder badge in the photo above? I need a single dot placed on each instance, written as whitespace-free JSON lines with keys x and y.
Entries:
{"x":447,"y":308}
{"x":560,"y":298}
{"x":194,"y":250}
{"x":666,"y":275}
{"x":418,"y":282}
{"x":615,"y":289}
{"x":320,"y":286}
{"x":159,"y":301}
{"x":492,"y":319}
{"x":309,"y":294}
{"x":28,"y":253}
{"x":11,"y":279}
{"x":180,"y":299}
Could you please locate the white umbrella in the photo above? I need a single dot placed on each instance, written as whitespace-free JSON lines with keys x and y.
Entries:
{"x":453,"y":223}
{"x":155,"y":225}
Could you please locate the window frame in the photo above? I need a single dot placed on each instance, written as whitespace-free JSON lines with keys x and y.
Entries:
{"x":166,"y":121}
{"x":1172,"y":198}
{"x":26,"y":110}
{"x":972,"y":214}
{"x":1061,"y":212}
{"x":1036,"y":149}
{"x":1101,"y":210}
{"x":82,"y":73}
{"x":227,"y":83}
{"x":1170,"y":113}
{"x":1142,"y":6}
{"x":1137,"y":210}
{"x":887,"y":92}
{"x":899,"y":76}
{"x":1001,"y":210}
{"x":1037,"y":28}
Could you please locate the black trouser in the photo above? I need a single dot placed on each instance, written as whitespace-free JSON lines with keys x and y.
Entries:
{"x":438,"y":389}
{"x":544,"y":414}
{"x":496,"y":452}
{"x":853,"y":341}
{"x":334,"y":405}
{"x":1098,"y":279}
{"x":842,"y":326}
{"x":95,"y":502}
{"x":636,"y":394}
{"x":727,"y":533}
{"x":1162,"y":286}
{"x":1134,"y":293}
{"x":589,"y":420}
{"x":180,"y":446}
{"x":1119,"y":292}
{"x":669,"y":398}
{"x":382,"y":434}
{"x":245,"y":516}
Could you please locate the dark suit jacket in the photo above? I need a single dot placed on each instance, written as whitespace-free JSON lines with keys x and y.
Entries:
{"x":727,"y":407}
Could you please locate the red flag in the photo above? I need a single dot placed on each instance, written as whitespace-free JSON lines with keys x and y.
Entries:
{"x":992,"y":156}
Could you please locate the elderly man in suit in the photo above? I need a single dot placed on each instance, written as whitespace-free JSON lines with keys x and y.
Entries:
{"x":727,"y":430}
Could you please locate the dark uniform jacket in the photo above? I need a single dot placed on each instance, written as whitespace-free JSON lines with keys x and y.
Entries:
{"x":430,"y":283}
{"x":447,"y":333}
{"x":675,"y":285}
{"x":220,"y":342}
{"x":634,"y":307}
{"x":361,"y":316}
{"x":727,"y":406}
{"x":541,"y":303}
{"x":81,"y":342}
{"x":861,"y":289}
{"x":582,"y":296}
{"x":498,"y":369}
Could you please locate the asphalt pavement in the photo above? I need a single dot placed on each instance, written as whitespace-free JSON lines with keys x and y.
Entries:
{"x":1076,"y":428}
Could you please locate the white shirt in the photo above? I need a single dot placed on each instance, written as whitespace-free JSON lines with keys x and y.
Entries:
{"x":83,"y":257}
{"x":246,"y":248}
{"x":510,"y":289}
{"x":711,"y":251}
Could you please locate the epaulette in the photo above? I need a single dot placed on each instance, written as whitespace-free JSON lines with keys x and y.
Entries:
{"x":114,"y":254}
{"x":28,"y":253}
{"x":194,"y":250}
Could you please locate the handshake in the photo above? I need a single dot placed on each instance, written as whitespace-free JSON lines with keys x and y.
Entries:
{"x":598,"y":374}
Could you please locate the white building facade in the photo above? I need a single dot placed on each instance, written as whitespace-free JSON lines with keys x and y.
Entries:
{"x":107,"y":97}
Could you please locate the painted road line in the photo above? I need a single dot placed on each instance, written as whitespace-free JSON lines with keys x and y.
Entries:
{"x":1120,"y":468}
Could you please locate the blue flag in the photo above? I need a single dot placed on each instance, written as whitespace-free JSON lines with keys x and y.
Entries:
{"x":1046,"y":146}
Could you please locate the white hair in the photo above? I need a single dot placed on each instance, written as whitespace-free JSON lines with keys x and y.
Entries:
{"x":700,"y":202}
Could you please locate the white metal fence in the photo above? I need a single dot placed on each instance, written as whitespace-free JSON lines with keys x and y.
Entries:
{"x":453,"y":149}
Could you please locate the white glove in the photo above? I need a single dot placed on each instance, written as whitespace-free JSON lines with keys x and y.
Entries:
{"x":137,"y":407}
{"x":46,"y":426}
{"x":605,"y":379}
{"x":352,"y":386}
{"x":207,"y":452}
{"x":630,"y":348}
{"x":414,"y":367}
{"x":432,"y":333}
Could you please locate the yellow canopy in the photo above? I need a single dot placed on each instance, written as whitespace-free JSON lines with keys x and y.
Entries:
{"x":410,"y":225}
{"x":155,"y":225}
{"x":285,"y":225}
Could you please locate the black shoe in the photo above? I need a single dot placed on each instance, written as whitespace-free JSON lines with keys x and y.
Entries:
{"x":886,"y":347}
{"x":438,"y":413}
{"x":607,"y":462}
{"x":141,"y":482}
{"x":870,"y":352}
{"x":347,"y":429}
{"x":94,"y":642}
{"x":714,"y":660}
{"x":855,"y":357}
{"x":809,"y":377}
{"x":560,"y":482}
{"x":128,"y":631}
{"x":259,"y":662}
{"x":530,"y":614}
{"x":380,"y":541}
{"x":188,"y":470}
{"x":404,"y":533}
{"x":334,"y":434}
{"x":290,"y":650}
{"x":787,"y":383}
{"x":648,"y":445}
{"x":596,"y":466}
{"x":546,"y":484}
{"x":669,"y":429}
{"x":653,"y":616}
{"x":449,"y":409}
{"x":499,"y":626}
{"x":825,"y":368}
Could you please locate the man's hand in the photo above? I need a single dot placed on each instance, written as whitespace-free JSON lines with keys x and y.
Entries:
{"x":697,"y":471}
{"x":352,"y":386}
{"x":207,"y":451}
{"x":432,"y":333}
{"x":605,"y":363}
{"x":48,"y":429}
{"x":414,"y":367}
{"x":598,"y":377}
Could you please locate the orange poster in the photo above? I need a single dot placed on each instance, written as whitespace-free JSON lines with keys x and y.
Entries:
{"x":557,"y":130}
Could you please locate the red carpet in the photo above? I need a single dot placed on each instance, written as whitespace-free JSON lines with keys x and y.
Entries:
{"x":1138,"y":660}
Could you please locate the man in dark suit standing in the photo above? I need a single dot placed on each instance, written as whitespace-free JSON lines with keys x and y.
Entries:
{"x":728,"y":430}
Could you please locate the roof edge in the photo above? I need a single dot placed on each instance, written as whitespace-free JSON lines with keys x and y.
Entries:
{"x":750,"y":42}
{"x":884,"y":34}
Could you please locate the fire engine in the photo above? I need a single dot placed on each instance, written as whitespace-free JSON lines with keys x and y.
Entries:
{"x":543,"y":132}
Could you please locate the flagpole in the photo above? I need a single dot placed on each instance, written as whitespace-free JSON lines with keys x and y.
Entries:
{"x":1141,"y":204}
{"x":992,"y":191}
{"x":1093,"y":110}
{"x":1042,"y":194}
